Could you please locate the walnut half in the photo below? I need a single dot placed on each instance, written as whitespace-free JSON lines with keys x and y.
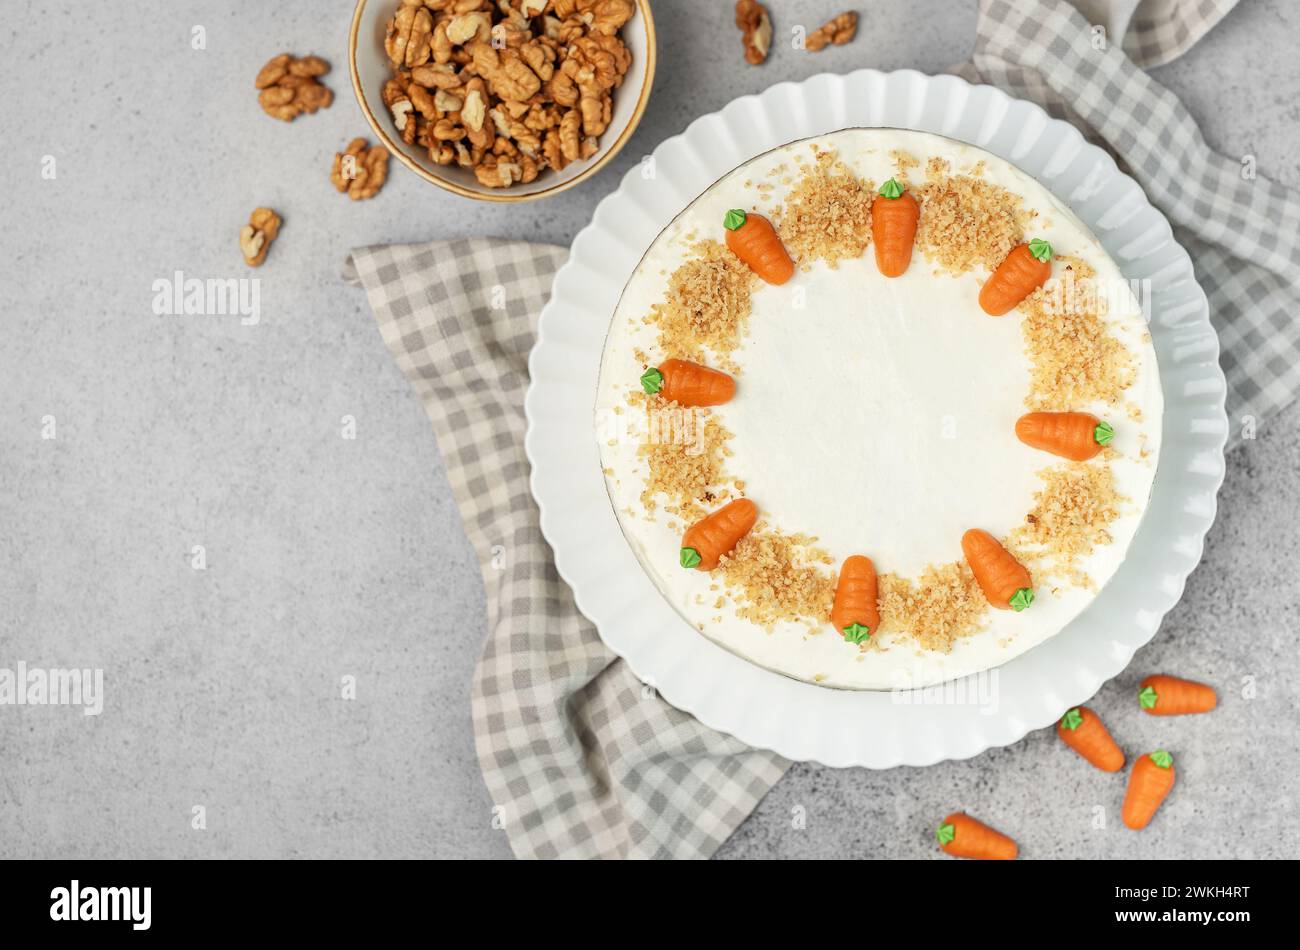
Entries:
{"x":256,"y":236}
{"x":360,"y":171}
{"x":289,"y":86}
{"x":754,"y":21}
{"x":838,"y":31}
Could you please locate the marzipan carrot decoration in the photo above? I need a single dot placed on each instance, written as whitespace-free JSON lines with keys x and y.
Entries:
{"x":962,"y":836}
{"x":706,"y":541}
{"x":752,"y":238}
{"x":855,"y":613}
{"x":1083,"y":732}
{"x":688,"y":384}
{"x":1170,"y":696}
{"x":894,"y":214}
{"x":1003,"y":579}
{"x":1023,"y":271}
{"x":1077,"y":436}
{"x":1148,"y":785}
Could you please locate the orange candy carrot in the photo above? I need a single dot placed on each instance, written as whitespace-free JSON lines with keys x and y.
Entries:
{"x":856,"y":614}
{"x":1077,"y":436}
{"x":1003,"y":579}
{"x":962,"y":836}
{"x":1170,"y":696}
{"x":894,"y":214}
{"x":1083,"y":732}
{"x":688,"y":384}
{"x":752,"y":238}
{"x":1148,"y":786}
{"x":706,"y":541}
{"x":1023,"y":271}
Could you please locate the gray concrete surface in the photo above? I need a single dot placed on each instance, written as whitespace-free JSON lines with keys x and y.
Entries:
{"x":329,"y":557}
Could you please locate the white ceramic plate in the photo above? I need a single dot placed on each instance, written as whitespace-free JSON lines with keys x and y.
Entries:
{"x":841,"y":727}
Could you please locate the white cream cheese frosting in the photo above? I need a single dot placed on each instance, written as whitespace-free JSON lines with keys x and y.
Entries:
{"x":876,"y":414}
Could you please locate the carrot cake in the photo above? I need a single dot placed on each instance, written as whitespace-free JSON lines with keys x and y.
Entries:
{"x":877,"y":411}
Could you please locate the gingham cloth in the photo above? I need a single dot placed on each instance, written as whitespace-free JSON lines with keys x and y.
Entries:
{"x":580,"y":759}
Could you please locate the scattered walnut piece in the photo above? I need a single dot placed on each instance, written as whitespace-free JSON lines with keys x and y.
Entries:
{"x":256,"y":236}
{"x":360,"y":171}
{"x":289,"y":86}
{"x":506,"y":88}
{"x":752,"y":18}
{"x":838,"y":31}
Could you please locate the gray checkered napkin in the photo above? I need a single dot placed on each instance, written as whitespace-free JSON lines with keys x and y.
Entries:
{"x":579,"y":758}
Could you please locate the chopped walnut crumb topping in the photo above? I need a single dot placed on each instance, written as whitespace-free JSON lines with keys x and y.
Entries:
{"x":707,"y":306}
{"x":1071,"y":517}
{"x":937,"y":608}
{"x":1075,"y":358}
{"x":828,"y":213}
{"x":685,"y":450}
{"x":966,"y":222}
{"x":777,"y":576}
{"x":904,"y":161}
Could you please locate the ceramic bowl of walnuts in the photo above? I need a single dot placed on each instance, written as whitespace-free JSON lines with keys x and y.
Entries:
{"x":503,"y":100}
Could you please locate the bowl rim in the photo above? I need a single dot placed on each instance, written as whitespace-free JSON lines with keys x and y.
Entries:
{"x":505,"y":196}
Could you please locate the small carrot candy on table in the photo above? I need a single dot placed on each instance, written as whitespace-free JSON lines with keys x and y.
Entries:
{"x":706,"y":541}
{"x":1077,"y":436}
{"x":1083,"y":732}
{"x":688,"y":384}
{"x":964,"y":837}
{"x":1003,"y":579}
{"x":752,"y":238}
{"x":894,"y":214}
{"x":1022,"y":272}
{"x":1148,"y":786}
{"x":1170,"y":696}
{"x":855,"y":613}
